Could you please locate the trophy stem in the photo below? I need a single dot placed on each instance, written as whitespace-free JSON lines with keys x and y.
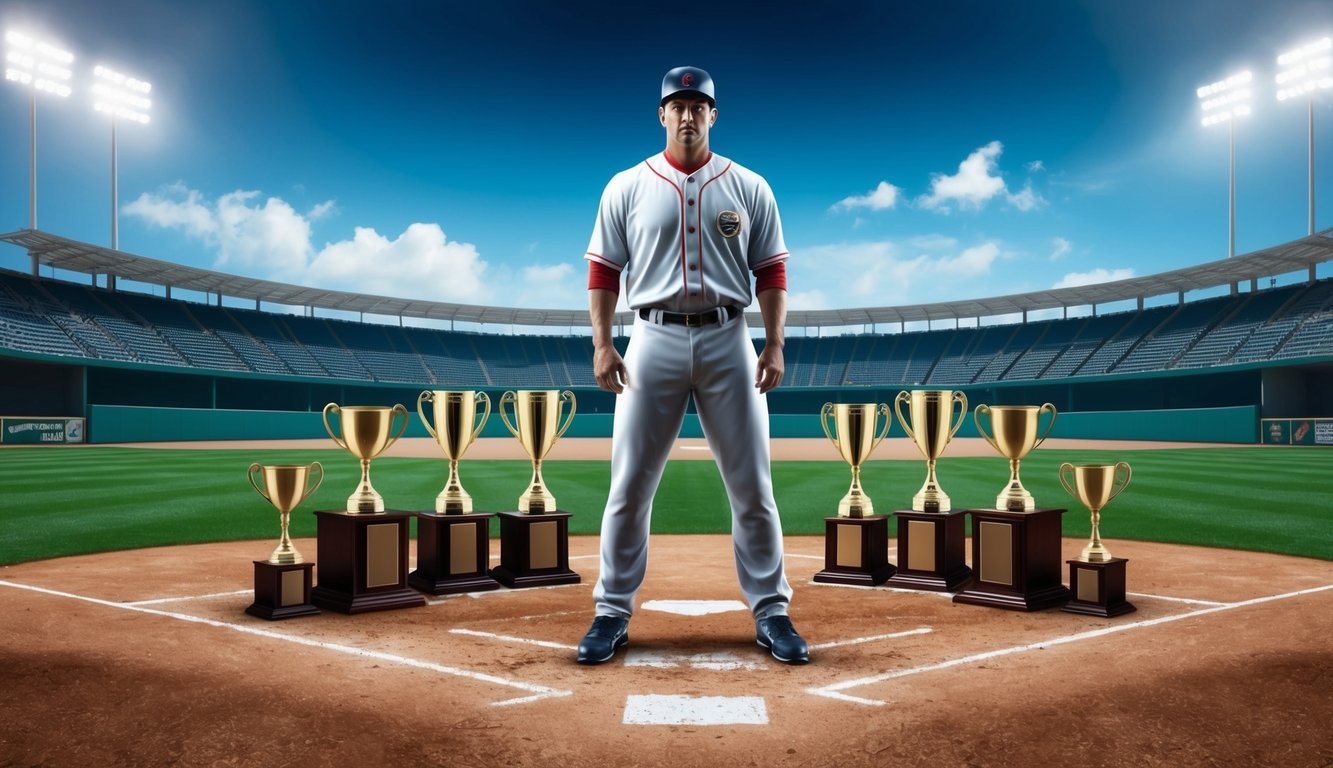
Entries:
{"x":856,"y":503}
{"x":536,"y":500}
{"x":365,"y":498}
{"x":286,"y":553}
{"x":453,"y":500}
{"x":1095,"y":551}
{"x":931,"y":498}
{"x":1015,"y":497}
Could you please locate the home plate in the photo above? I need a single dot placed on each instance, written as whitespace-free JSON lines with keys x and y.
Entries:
{"x":694,"y":607}
{"x":653,"y":709}
{"x":723,"y":662}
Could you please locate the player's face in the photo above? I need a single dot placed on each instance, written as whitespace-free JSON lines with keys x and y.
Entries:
{"x":687,"y":121}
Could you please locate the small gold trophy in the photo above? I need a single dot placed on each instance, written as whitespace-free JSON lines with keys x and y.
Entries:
{"x":932,"y":414}
{"x":285,"y":487}
{"x":1094,"y":486}
{"x":366,"y":432}
{"x":537,"y":426}
{"x":454,"y":416}
{"x":1016,"y":430}
{"x":855,"y":436}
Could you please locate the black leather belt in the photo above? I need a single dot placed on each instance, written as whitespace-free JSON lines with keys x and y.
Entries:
{"x":719,"y":315}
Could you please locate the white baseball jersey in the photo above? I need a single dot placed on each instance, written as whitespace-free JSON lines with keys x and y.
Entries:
{"x":687,"y":241}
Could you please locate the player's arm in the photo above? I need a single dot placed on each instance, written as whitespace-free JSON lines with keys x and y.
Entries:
{"x":607,"y":365}
{"x":773,"y":307}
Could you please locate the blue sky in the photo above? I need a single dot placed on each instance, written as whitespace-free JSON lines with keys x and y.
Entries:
{"x":456,"y":151}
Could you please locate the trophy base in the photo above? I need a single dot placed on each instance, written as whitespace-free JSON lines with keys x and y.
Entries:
{"x":282,"y":591}
{"x":931,"y":551}
{"x":1098,"y":588}
{"x":856,"y":551}
{"x":534,"y":550}
{"x":453,"y":552}
{"x":1015,"y":560}
{"x":363,"y":562}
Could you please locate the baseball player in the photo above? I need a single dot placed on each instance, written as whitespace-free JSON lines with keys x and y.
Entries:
{"x":685,"y":229}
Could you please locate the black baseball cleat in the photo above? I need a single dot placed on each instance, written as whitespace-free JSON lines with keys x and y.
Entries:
{"x":606,"y":635}
{"x":781,"y":639}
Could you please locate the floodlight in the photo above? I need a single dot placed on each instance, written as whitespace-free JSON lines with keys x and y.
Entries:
{"x":123,"y":98}
{"x":1306,"y":69}
{"x":40,"y":67}
{"x":1223,"y":102}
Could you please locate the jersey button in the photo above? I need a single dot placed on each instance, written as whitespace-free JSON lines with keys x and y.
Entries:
{"x":691,"y":202}
{"x":690,"y":180}
{"x":694,"y":267}
{"x":691,"y":230}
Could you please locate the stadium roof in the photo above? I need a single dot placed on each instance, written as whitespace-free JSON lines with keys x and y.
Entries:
{"x":72,"y":255}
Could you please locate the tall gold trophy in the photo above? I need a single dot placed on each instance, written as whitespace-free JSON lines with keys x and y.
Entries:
{"x":365,"y":432}
{"x":1016,"y":429}
{"x":1015,"y":545}
{"x":931,"y":536}
{"x":1096,"y":579}
{"x":282,"y":582}
{"x":455,"y":428}
{"x":363,"y":548}
{"x":534,"y":541}
{"x":453,"y":542}
{"x":856,"y":542}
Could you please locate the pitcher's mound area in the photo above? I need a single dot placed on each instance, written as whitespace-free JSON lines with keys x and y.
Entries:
{"x":147,"y":658}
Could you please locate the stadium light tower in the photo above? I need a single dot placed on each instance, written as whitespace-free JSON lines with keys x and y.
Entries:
{"x":123,"y":98}
{"x":1304,"y":71}
{"x":41,"y":67}
{"x":1223,"y":102}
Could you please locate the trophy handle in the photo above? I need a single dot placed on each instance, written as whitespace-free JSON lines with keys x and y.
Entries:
{"x":399,"y":408}
{"x":319,"y":482}
{"x":1068,"y":487}
{"x":509,"y":397}
{"x":888,"y":422}
{"x":425,"y":396}
{"x":328,"y":428}
{"x":482,"y":396}
{"x":250,"y":473}
{"x":824,"y":413}
{"x":959,"y":396}
{"x":898,"y":401}
{"x":1050,"y":426}
{"x":1128,"y":474}
{"x":976,"y":417}
{"x":568,"y":397}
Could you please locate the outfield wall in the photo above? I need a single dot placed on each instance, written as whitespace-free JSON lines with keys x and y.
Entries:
{"x":138,"y":424}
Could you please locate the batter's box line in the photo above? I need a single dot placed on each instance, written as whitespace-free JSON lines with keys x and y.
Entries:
{"x":835,"y":690}
{"x":186,"y":598}
{"x":567,"y":647}
{"x":537,"y":692}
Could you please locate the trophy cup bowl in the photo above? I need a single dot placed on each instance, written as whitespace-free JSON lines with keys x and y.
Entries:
{"x":537,"y":426}
{"x":855,"y":437}
{"x":931,"y":427}
{"x":1016,"y":430}
{"x":285,"y":487}
{"x":365,"y":431}
{"x":455,"y":427}
{"x":1094,"y":485}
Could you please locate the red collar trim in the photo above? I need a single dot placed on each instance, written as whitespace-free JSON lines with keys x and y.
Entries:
{"x":683,"y":169}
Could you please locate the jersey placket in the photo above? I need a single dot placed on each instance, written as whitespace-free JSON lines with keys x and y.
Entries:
{"x":693,"y":251}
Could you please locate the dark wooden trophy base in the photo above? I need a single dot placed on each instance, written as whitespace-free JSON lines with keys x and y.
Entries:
{"x":363,"y":562}
{"x":534,"y":550}
{"x":453,"y":553}
{"x":282,"y":591}
{"x":931,"y":551}
{"x":856,"y":551}
{"x":1015,"y":560}
{"x":1098,"y":589}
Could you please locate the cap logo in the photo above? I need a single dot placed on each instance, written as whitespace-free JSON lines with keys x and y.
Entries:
{"x":729,"y":223}
{"x":687,"y":79}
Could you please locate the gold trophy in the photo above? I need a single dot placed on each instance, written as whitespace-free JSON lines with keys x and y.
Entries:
{"x":454,"y":414}
{"x":932,"y":414}
{"x":537,"y":426}
{"x":285,"y":487}
{"x":854,"y":435}
{"x":367,"y":431}
{"x":1094,"y":486}
{"x":1016,"y":429}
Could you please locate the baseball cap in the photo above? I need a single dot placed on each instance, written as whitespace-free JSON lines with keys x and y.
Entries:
{"x":688,"y":80}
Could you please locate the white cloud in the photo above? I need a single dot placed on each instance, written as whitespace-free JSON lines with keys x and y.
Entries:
{"x":271,"y":237}
{"x":972,"y":187}
{"x":322,"y":210}
{"x":177,"y":208}
{"x":1036,"y":166}
{"x":1099,"y":275}
{"x":1026,"y":199}
{"x":882,"y":273}
{"x":420,"y":263}
{"x":882,"y":198}
{"x":1060,"y":248}
{"x":803,"y":300}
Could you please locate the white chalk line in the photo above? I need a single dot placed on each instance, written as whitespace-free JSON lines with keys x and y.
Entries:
{"x":503,"y":590}
{"x":881,"y":588}
{"x":1189,"y":600}
{"x":871,"y":639}
{"x":161,"y":600}
{"x":834,"y":690}
{"x":539,"y":691}
{"x":513,"y":639}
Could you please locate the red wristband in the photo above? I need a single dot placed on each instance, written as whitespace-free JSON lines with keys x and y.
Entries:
{"x":772,"y":276}
{"x":602,"y":276}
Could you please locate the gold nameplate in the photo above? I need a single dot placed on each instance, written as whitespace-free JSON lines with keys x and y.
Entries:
{"x":381,"y":555}
{"x":1088,"y":585}
{"x":292,"y":588}
{"x":849,"y":546}
{"x":542,"y":551}
{"x":997,"y":553}
{"x":462,"y":548}
{"x":920,"y":545}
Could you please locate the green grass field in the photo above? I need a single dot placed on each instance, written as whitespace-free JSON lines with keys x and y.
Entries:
{"x":65,"y":501}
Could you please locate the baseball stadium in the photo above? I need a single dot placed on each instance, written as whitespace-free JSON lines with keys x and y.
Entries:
{"x":1084,"y":526}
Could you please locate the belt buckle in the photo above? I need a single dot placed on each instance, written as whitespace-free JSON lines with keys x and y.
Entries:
{"x":694,"y":321}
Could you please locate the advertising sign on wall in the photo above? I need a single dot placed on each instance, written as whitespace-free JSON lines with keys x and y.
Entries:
{"x":41,"y":431}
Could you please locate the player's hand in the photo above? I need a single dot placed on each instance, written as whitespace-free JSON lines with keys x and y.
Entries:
{"x":768,"y":374}
{"x":609,"y":369}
